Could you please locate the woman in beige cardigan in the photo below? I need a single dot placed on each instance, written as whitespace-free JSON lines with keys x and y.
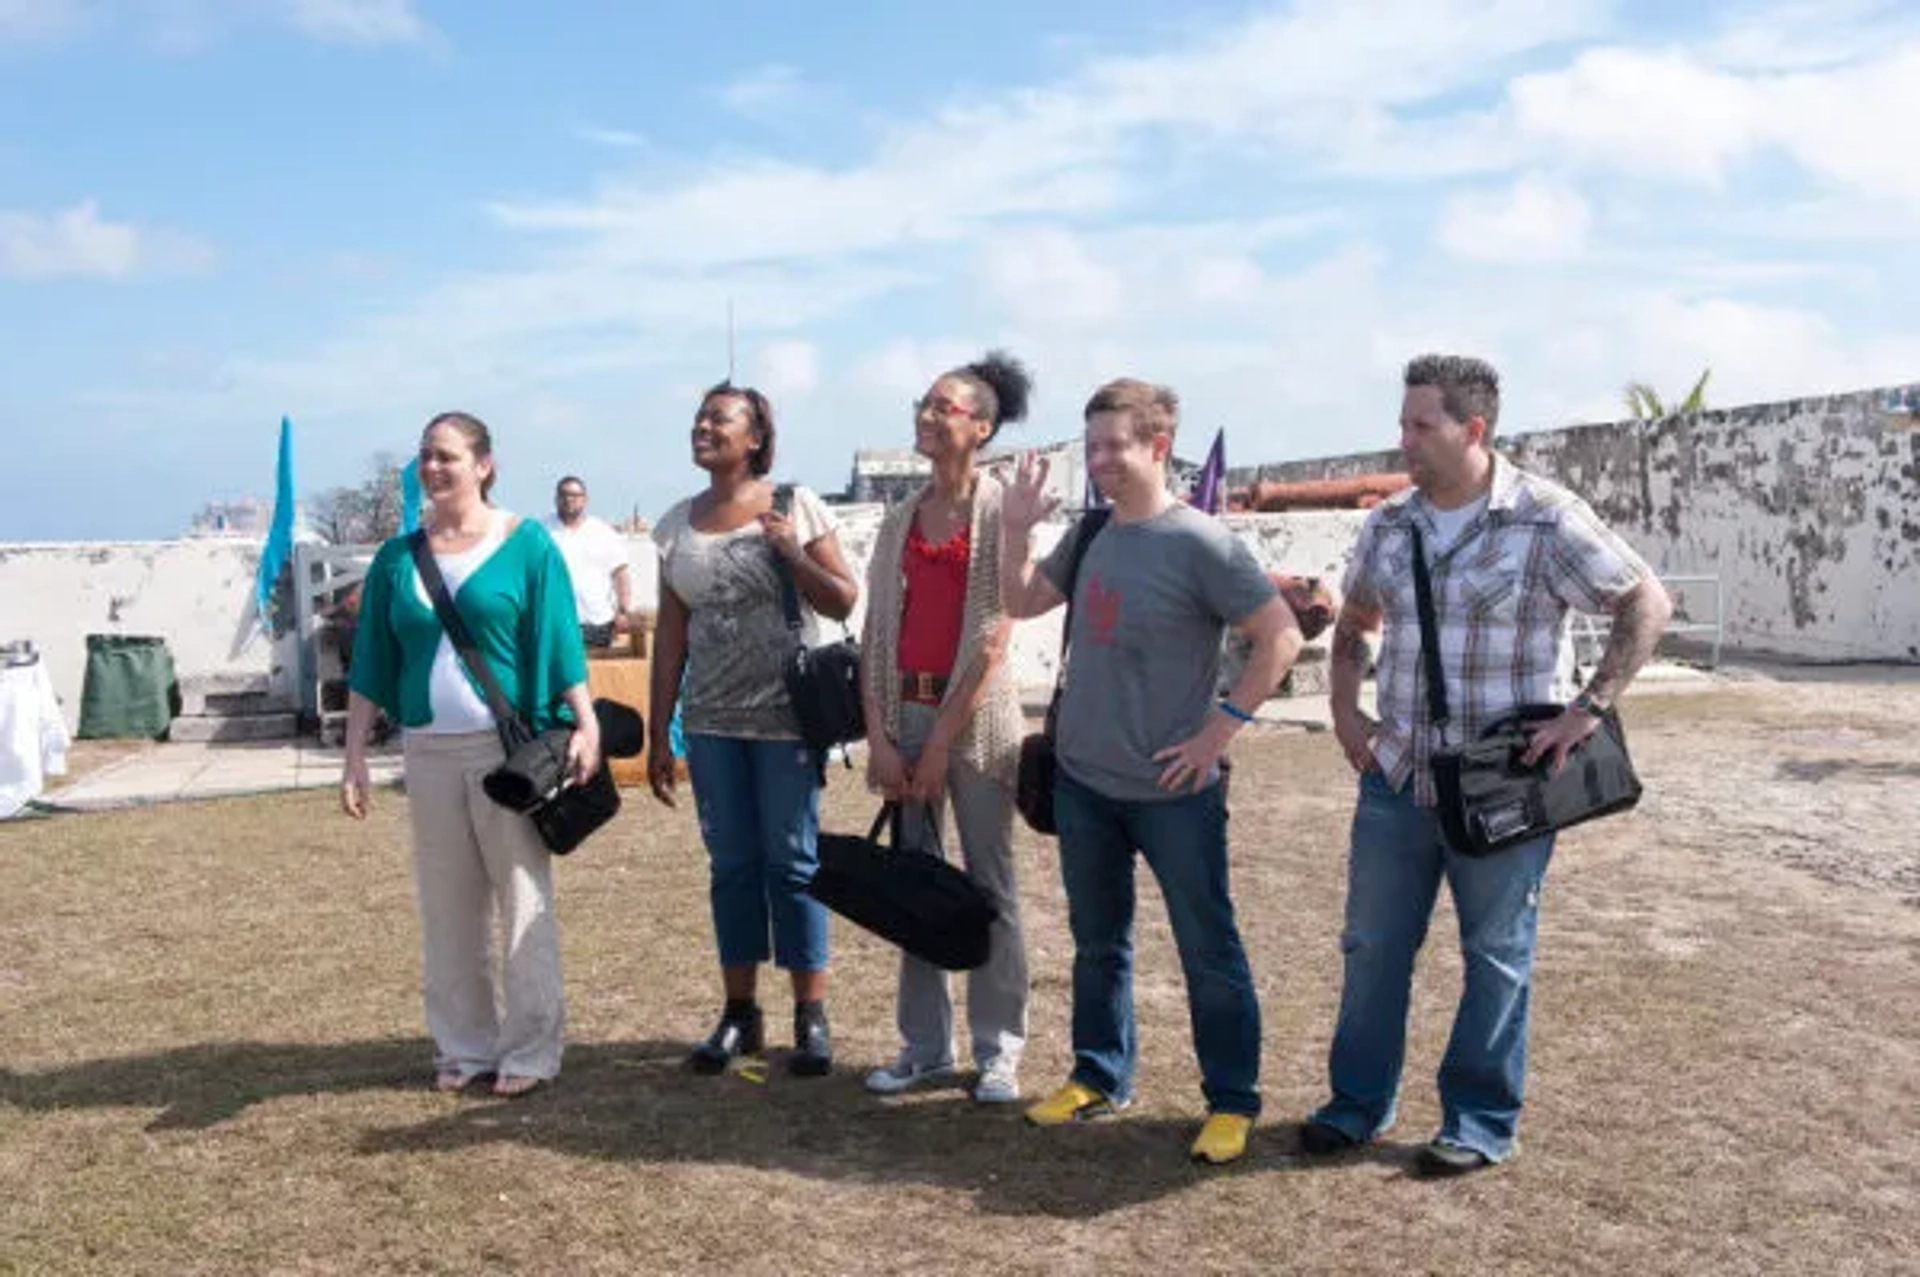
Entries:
{"x":943,"y":718}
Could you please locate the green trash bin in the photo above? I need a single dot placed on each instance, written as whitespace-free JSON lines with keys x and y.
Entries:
{"x":130,"y":691}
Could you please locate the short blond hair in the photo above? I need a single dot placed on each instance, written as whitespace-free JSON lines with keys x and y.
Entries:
{"x":1151,"y":410}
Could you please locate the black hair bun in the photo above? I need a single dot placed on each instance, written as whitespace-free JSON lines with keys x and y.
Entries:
{"x":1011,"y":382}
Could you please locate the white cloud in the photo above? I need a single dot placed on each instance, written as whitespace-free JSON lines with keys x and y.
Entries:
{"x":1536,"y":219}
{"x":1671,"y":115}
{"x":1764,"y":352}
{"x":770,"y":94}
{"x":1661,"y":113}
{"x":621,"y":138}
{"x":183,"y":26}
{"x":361,"y":22}
{"x":25,"y":20}
{"x":1100,"y":224}
{"x":79,"y":242}
{"x":788,"y":369}
{"x":1806,"y":34}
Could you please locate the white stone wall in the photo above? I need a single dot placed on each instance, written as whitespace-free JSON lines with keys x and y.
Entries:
{"x":197,"y":594}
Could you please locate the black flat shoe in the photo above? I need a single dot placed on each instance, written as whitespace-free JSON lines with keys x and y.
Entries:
{"x":1323,"y":1139}
{"x":812,"y":1044}
{"x":732,"y":1038}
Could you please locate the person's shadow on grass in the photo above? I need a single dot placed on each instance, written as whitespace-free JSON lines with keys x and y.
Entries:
{"x":637,"y":1102}
{"x":196,"y":1087}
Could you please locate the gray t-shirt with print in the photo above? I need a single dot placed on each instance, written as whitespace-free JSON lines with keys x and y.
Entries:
{"x":737,"y":637}
{"x":1153,"y":601}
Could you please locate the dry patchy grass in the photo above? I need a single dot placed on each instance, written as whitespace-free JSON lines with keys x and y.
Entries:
{"x":211,"y":1057}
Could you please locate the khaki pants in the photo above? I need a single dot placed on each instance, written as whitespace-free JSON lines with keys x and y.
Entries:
{"x":996,"y":992}
{"x":479,"y":868}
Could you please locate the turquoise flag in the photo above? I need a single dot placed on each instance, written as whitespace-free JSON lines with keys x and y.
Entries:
{"x":410,"y":496}
{"x":279,"y":548}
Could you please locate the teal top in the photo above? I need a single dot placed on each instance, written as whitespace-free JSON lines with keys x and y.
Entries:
{"x":518,"y":605}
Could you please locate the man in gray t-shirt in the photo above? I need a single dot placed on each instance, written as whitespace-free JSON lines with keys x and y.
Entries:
{"x":1152,"y":601}
{"x":1139,"y":744}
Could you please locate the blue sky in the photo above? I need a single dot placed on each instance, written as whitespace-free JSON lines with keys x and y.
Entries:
{"x":358,"y":212}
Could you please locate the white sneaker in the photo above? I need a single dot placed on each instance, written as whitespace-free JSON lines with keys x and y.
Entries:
{"x":904,"y":1074}
{"x":999,"y":1084}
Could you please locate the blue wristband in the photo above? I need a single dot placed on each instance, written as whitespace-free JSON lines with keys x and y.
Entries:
{"x":1231,"y":710}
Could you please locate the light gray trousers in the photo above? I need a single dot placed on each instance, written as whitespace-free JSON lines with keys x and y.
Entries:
{"x":478,"y":867}
{"x":997,"y":992}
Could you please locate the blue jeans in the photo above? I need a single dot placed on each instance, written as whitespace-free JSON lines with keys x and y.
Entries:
{"x":1184,"y":841}
{"x":759,"y":804}
{"x":1395,"y":864}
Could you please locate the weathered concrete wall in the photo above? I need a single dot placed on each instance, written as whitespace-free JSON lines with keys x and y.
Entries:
{"x":1808,"y":511}
{"x":196,"y":594}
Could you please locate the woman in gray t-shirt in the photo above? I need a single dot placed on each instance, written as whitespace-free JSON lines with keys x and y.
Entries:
{"x":720,"y":646}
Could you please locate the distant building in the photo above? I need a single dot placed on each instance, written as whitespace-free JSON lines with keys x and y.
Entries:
{"x":247,"y":517}
{"x":885,"y":475}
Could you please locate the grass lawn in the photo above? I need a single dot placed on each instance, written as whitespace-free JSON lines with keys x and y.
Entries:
{"x":212,"y":1057}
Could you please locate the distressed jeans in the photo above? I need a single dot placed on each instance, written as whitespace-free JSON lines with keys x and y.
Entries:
{"x":1396,"y":861}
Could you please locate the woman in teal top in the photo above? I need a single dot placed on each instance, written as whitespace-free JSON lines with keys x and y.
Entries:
{"x":474,"y":859}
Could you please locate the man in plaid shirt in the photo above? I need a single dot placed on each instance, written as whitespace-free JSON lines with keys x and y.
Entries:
{"x":1510,"y":554}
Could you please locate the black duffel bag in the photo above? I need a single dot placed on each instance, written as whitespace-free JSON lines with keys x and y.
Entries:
{"x":912,"y":898}
{"x":1488,"y":800}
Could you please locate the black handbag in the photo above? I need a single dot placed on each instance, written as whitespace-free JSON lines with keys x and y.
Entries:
{"x":822,"y":682}
{"x":912,"y":899}
{"x":1039,"y":769}
{"x":532,"y":779}
{"x":1487,"y":800}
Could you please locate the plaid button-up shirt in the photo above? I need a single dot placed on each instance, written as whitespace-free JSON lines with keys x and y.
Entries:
{"x":1501,"y":595}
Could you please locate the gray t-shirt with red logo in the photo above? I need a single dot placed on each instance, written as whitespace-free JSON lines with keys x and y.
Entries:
{"x":1153,"y":601}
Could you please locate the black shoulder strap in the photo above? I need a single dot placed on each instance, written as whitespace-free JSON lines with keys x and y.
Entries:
{"x":1083,"y":534}
{"x":505,"y":717}
{"x":789,"y":592}
{"x":1429,"y":632}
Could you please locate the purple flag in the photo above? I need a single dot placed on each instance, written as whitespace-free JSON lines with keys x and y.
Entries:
{"x":1210,"y":488}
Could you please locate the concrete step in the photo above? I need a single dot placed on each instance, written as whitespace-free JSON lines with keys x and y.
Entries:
{"x":203,"y":695}
{"x":227,"y":728}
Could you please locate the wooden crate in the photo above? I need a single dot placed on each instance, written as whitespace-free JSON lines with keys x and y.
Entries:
{"x":623,"y":678}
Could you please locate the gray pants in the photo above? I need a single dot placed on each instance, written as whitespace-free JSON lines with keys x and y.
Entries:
{"x":996,"y":992}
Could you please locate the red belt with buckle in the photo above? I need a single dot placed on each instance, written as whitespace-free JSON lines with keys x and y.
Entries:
{"x":924,"y":689}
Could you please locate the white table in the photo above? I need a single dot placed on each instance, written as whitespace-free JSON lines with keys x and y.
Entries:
{"x":33,"y":736}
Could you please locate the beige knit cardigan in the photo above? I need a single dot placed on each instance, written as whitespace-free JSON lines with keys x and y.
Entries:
{"x":991,"y":741}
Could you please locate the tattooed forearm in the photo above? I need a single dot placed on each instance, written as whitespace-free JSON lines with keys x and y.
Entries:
{"x":1350,"y":658}
{"x":1637,"y":625}
{"x":1350,"y":646}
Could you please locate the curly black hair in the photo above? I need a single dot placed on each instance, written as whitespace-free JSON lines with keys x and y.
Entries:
{"x":1001,"y":387}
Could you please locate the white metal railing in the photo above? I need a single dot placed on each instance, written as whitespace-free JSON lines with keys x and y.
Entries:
{"x":320,"y":574}
{"x":1590,"y":632}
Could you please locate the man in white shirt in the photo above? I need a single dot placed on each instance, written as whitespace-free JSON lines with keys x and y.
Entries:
{"x":596,"y":558}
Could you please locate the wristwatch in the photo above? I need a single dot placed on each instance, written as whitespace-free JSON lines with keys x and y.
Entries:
{"x":1585,"y":703}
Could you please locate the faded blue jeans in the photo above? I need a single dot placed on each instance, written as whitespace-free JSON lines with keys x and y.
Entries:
{"x":1184,"y":841}
{"x":759,"y":805}
{"x":1397,"y":859}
